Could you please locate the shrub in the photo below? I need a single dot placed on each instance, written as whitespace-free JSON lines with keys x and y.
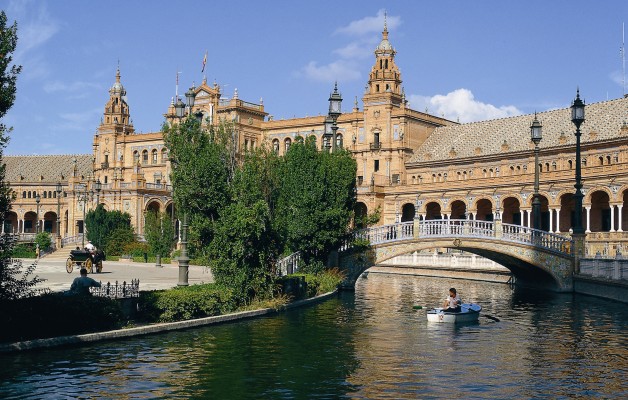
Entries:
{"x":322,"y":282}
{"x":53,"y":315}
{"x":23,"y":251}
{"x":44,"y":240}
{"x":184,"y":303}
{"x":135,"y":249}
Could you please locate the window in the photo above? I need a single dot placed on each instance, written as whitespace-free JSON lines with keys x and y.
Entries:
{"x":24,"y":194}
{"x":376,"y":165}
{"x":570,"y":163}
{"x":276,"y":146}
{"x":145,"y":157}
{"x":287,"y":144}
{"x":136,"y":157}
{"x":154,"y":154}
{"x":164,"y":155}
{"x":339,"y":141}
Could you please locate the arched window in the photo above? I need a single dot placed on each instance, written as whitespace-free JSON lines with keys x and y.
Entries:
{"x":276,"y":146}
{"x":339,"y":141}
{"x":570,"y":163}
{"x":601,"y":159}
{"x":287,"y":144}
{"x":29,"y":194}
{"x":145,"y":157}
{"x":164,"y":155}
{"x":553,"y":165}
{"x":154,"y":154}
{"x":24,"y":194}
{"x":136,"y":157}
{"x":45,"y":194}
{"x":608,"y":160}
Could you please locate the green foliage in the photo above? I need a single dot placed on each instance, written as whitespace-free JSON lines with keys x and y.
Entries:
{"x":119,"y":240}
{"x":14,"y":282}
{"x":102,"y":223}
{"x":57,"y":315}
{"x":159,"y":233}
{"x":135,"y":249}
{"x":370,"y":219}
{"x":24,"y":250}
{"x":44,"y":240}
{"x":322,"y":282}
{"x":316,"y":199}
{"x":184,"y":303}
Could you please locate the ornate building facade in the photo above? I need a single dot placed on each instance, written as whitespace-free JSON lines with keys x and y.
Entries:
{"x":411,"y":164}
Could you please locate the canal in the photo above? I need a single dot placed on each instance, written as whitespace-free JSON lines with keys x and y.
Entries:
{"x":371,"y":344}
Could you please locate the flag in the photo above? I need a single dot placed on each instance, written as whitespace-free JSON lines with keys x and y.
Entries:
{"x":204,"y":62}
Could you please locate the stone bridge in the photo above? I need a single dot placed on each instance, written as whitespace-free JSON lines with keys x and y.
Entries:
{"x":536,"y":258}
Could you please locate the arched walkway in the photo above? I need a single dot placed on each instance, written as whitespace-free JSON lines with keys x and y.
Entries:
{"x":407,"y":212}
{"x":432,"y":211}
{"x":458,"y":210}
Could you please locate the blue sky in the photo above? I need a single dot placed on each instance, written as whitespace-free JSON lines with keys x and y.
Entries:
{"x":465,"y":60}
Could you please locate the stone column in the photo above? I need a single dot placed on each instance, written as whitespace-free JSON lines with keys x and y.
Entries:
{"x":619,"y":217}
{"x":612,"y":218}
{"x":588,"y":228}
{"x":557,"y":221}
{"x":551,"y":222}
{"x":528,"y":213}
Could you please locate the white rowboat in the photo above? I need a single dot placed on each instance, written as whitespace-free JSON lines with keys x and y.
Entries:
{"x":469,"y":312}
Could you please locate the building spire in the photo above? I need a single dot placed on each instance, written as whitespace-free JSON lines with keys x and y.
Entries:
{"x":385,"y":33}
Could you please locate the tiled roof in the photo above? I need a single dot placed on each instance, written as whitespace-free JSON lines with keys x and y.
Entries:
{"x":35,"y":169}
{"x":604,"y":119}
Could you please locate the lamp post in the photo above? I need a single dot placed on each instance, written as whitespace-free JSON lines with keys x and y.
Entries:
{"x":335,"y":102}
{"x":58,"y":189}
{"x":184,"y":260}
{"x":83,"y":197}
{"x":97,"y":187}
{"x":577,"y":117}
{"x":535,"y":132}
{"x":37,"y":200}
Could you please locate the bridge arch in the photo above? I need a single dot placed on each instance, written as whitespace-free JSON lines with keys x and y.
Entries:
{"x":536,"y":258}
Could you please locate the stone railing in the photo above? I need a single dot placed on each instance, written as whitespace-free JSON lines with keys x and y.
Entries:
{"x":458,"y":228}
{"x":288,"y":265}
{"x":449,"y":260}
{"x":616,"y":269}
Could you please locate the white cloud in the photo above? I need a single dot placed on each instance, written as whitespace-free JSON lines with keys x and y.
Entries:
{"x":460,"y":105}
{"x":369,"y":25}
{"x":80,"y":121}
{"x":341,"y":70}
{"x":346,"y":68}
{"x":34,"y":24}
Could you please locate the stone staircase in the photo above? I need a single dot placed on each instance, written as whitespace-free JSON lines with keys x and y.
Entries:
{"x":61,"y":254}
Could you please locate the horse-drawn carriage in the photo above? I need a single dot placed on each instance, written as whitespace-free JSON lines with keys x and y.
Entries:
{"x":85,"y":259}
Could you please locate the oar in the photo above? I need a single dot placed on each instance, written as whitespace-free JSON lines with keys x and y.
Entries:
{"x":491,"y":317}
{"x":417,"y":307}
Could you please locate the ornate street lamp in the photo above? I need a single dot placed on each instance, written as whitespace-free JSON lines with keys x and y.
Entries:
{"x":335,"y":102}
{"x":577,"y":117}
{"x":184,"y":260}
{"x":37,"y":200}
{"x":179,"y":108}
{"x":328,"y":133}
{"x":58,"y":189}
{"x":535,"y":132}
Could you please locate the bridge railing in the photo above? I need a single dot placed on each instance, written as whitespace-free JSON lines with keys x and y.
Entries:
{"x":464,"y":228}
{"x":550,"y":241}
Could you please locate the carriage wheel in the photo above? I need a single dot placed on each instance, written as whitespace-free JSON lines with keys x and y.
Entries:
{"x":89,"y":265}
{"x":69,"y":265}
{"x":99,"y":267}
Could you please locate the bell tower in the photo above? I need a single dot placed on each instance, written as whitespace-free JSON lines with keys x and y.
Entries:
{"x":384,"y":85}
{"x":116,"y":118}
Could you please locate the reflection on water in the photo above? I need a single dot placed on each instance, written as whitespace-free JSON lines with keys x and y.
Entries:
{"x":363,"y":345}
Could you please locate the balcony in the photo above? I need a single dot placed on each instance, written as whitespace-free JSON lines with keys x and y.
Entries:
{"x":104,"y":165}
{"x":376,"y":145}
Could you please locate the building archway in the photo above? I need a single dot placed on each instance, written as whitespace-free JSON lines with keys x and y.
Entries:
{"x":600,"y":212}
{"x":433,"y":211}
{"x":484,"y":210}
{"x":512,"y":211}
{"x":10,"y":223}
{"x":30,"y":222}
{"x":458,"y":210}
{"x":407,"y":212}
{"x":50,"y":222}
{"x":360,"y":212}
{"x":566,"y":214}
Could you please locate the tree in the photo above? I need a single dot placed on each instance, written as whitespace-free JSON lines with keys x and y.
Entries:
{"x":202,"y":168}
{"x":159,"y":233}
{"x":245,"y":246}
{"x":316,"y":199}
{"x":101,"y":225}
{"x":14,"y":282}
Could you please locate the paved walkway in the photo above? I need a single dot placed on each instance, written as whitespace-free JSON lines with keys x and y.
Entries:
{"x":151,"y":277}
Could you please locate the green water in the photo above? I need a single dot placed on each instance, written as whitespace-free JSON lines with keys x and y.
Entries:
{"x":371,"y":344}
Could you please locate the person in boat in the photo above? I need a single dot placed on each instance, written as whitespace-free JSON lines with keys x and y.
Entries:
{"x":453,"y":302}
